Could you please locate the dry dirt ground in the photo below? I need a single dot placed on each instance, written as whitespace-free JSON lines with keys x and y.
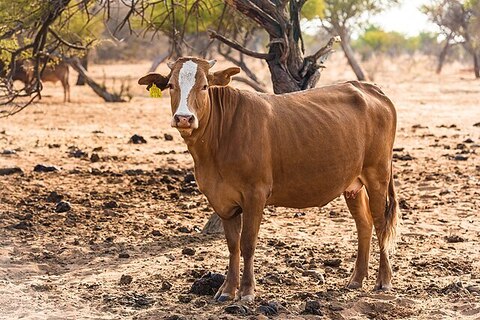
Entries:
{"x":136,"y":213}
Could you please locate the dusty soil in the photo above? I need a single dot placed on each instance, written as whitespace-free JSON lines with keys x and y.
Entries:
{"x":135,"y":212}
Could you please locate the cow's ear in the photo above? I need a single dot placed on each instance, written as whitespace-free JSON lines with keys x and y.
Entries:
{"x":154,"y":78}
{"x":222,"y":78}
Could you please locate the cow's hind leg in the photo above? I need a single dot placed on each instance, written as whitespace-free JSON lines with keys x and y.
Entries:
{"x":379,"y":184}
{"x":232,"y":228}
{"x":360,"y":210}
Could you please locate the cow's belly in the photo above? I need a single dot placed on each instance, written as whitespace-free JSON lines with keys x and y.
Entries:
{"x":316,"y":186}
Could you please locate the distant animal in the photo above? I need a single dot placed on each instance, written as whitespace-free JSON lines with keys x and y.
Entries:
{"x":296,"y":150}
{"x":24,"y":72}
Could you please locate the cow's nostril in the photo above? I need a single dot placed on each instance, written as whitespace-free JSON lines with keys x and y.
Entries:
{"x":176,"y":118}
{"x":191,"y":119}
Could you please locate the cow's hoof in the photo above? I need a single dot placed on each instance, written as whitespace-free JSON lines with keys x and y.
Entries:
{"x":383,"y":287}
{"x":354,"y":285}
{"x":224,"y":297}
{"x":248,"y":298}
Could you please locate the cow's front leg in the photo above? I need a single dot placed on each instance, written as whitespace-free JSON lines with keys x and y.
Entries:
{"x":232,"y":228}
{"x":252,"y":217}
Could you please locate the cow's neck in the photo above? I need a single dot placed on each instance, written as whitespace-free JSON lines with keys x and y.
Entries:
{"x":213,"y":127}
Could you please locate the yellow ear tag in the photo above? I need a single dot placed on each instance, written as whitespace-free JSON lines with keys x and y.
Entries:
{"x":155,"y":91}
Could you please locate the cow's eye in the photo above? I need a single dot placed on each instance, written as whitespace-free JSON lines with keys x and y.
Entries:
{"x":170,"y":86}
{"x":205,"y":87}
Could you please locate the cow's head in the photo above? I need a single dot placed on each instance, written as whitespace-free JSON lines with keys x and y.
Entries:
{"x":189,"y":81}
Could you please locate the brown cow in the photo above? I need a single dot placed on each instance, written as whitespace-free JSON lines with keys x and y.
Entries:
{"x":296,"y":150}
{"x":52,"y":72}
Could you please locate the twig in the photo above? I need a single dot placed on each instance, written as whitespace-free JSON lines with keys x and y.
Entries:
{"x":239,"y":47}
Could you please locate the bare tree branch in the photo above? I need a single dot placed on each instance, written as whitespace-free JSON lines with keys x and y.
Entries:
{"x":239,"y":47}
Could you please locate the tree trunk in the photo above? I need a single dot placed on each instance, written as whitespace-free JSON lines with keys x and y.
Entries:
{"x":214,"y":225}
{"x":476,"y":64}
{"x":157,"y":61}
{"x":84,"y":62}
{"x":352,"y":61}
{"x":443,"y":54}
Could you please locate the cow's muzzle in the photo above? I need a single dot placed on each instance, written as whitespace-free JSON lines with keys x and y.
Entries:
{"x":183,"y":121}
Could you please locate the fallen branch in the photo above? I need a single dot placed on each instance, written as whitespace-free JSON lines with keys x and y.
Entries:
{"x":98,"y":89}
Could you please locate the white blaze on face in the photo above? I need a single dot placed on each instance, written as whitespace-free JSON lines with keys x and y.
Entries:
{"x":186,"y":81}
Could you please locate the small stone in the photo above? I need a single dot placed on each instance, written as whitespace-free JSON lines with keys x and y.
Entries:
{"x":334,"y":263}
{"x":459,"y":157}
{"x":184,"y":230}
{"x":454,"y":239}
{"x":184,"y":298}
{"x":110,"y":204}
{"x":77,"y":153}
{"x":94,"y":157}
{"x":137,"y":139}
{"x":54,"y":197}
{"x":124,"y":255}
{"x":156,"y":233}
{"x":468,"y":141}
{"x":166,"y":285}
{"x":189,"y":178}
{"x":188,"y":251}
{"x":168,"y":137}
{"x":237,"y":309}
{"x":313,"y":307}
{"x":268,"y":308}
{"x":9,"y":171}
{"x":23,"y":225}
{"x":63,"y":206}
{"x":125,"y":279}
{"x":44,"y":168}
{"x":208,"y":284}
{"x":8,"y":152}
{"x":315,"y":275}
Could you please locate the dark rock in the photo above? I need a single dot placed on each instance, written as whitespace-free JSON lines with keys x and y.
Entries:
{"x":460,"y":146}
{"x":473,"y":289}
{"x":125,"y":279}
{"x":134,"y":172}
{"x":405,"y":157}
{"x":44,"y":168}
{"x":77,"y":153}
{"x":208,"y":284}
{"x":313,"y":307}
{"x":136,"y":139}
{"x":94,"y":157}
{"x":63,"y":206}
{"x":468,"y":141}
{"x":54,"y":197}
{"x":237,"y":309}
{"x":477,"y":124}
{"x":54,"y":145}
{"x":334,"y":263}
{"x":184,"y":298}
{"x":9,"y":171}
{"x":188,"y":251}
{"x":8,"y":152}
{"x":168,"y":137}
{"x":184,"y":230}
{"x":156,"y":233}
{"x":124,"y":255}
{"x":454,"y":239}
{"x":135,"y":300}
{"x":22,"y":225}
{"x":189,"y":178}
{"x":166,"y":286}
{"x":175,"y":317}
{"x":110,"y":204}
{"x":403,"y":204}
{"x":268,"y":308}
{"x":459,"y":157}
{"x":398,"y":149}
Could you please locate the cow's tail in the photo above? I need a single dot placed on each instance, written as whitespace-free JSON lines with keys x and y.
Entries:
{"x":389,"y":232}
